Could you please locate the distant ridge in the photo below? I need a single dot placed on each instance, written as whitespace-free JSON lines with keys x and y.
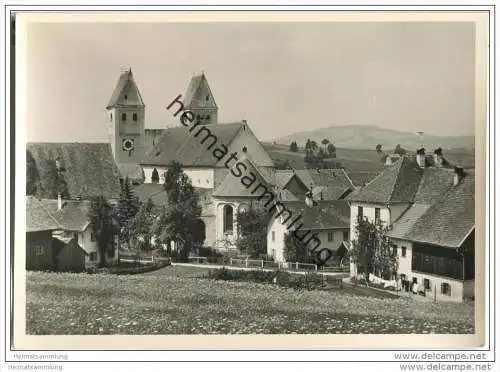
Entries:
{"x":368,"y":136}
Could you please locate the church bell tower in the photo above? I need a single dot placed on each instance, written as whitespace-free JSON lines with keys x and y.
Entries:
{"x":200,"y":100}
{"x":126,"y":119}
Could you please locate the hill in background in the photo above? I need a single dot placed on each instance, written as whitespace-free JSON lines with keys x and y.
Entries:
{"x":368,"y":136}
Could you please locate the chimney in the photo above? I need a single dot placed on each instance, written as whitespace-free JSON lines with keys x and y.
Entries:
{"x":421,"y":157}
{"x":459,"y":175}
{"x":438,"y":157}
{"x":59,"y":202}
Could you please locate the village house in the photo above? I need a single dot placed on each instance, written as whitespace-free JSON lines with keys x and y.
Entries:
{"x":328,"y":221}
{"x":39,"y":227}
{"x":413,"y":197}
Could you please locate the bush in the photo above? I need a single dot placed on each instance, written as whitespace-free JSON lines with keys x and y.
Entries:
{"x":209,"y":252}
{"x":310,"y":281}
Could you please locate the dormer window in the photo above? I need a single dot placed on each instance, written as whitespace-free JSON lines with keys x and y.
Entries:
{"x":124,"y":117}
{"x":134,"y":116}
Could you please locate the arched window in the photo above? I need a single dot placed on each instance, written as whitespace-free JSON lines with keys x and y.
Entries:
{"x":208,"y":118}
{"x":111,"y":116}
{"x":228,"y":219}
{"x":124,"y":116}
{"x":134,"y":116}
{"x":155,"y":178}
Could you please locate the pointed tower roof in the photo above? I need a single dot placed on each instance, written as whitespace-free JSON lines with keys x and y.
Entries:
{"x":194,"y":86}
{"x":126,"y":84}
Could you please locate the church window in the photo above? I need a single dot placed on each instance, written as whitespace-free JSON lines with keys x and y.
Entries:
{"x":111,"y":116}
{"x":208,"y":117}
{"x":207,"y":98}
{"x":125,"y":96}
{"x":228,"y":219}
{"x":124,"y":117}
{"x":134,"y":116}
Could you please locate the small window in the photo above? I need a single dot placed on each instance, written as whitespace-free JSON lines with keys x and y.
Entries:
{"x":445,"y":289}
{"x":92,"y":237}
{"x":134,"y":116}
{"x":330,"y":236}
{"x":403,"y":251}
{"x":273,"y":236}
{"x":414,"y":280}
{"x":207,"y":98}
{"x":395,"y":250}
{"x":111,"y":116}
{"x":39,"y":250}
{"x":377,"y":215}
{"x":345,"y":235}
{"x":125,"y":96}
{"x":273,"y":253}
{"x":427,"y":284}
{"x":208,"y":118}
{"x":93,"y":256}
{"x":360,"y":212}
{"x":124,"y":117}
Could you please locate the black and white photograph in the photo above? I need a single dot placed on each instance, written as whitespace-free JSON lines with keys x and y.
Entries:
{"x":263,"y":177}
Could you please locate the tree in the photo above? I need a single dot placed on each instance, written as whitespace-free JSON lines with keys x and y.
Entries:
{"x":399,"y":150}
{"x":155,"y":178}
{"x":177,"y":222}
{"x":141,"y":225}
{"x":294,"y":147}
{"x":128,"y":206}
{"x":280,"y":163}
{"x":104,"y":224}
{"x":32,"y":175}
{"x":378,"y":148}
{"x":52,"y":181}
{"x":331,"y":150}
{"x":295,"y":250}
{"x":314,"y":145}
{"x":325,"y":142}
{"x":371,"y":250}
{"x":308,"y":144}
{"x":252,"y":231}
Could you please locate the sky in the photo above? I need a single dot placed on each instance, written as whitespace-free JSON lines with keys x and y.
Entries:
{"x":280,"y":77}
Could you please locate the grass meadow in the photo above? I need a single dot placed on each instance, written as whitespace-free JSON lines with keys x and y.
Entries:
{"x":178,"y":300}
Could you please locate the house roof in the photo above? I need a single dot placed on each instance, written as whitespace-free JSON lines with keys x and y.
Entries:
{"x":333,"y":214}
{"x":125,"y":83}
{"x":178,"y":144}
{"x":73,"y":216}
{"x":448,"y":222}
{"x":403,"y":225}
{"x":361,"y":178}
{"x":131,"y":170}
{"x":333,"y":183}
{"x":397,"y":183}
{"x":38,"y":217}
{"x":90,"y":169}
{"x":194,"y":85}
{"x":231,"y":186}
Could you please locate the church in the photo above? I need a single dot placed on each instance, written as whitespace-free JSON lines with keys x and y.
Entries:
{"x":143,"y":155}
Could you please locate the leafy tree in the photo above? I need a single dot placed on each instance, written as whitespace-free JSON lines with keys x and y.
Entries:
{"x":155,"y":177}
{"x":52,"y":181}
{"x":252,"y":231}
{"x":104,"y":224}
{"x":280,"y":163}
{"x":32,"y":175}
{"x":325,"y":142}
{"x":128,"y":206}
{"x":399,"y":150}
{"x":378,"y":148}
{"x":314,"y":145}
{"x":140,"y":226}
{"x":371,"y":250}
{"x":295,"y":250}
{"x":177,"y":222}
{"x":331,"y":150}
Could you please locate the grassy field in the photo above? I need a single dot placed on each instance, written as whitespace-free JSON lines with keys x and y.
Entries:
{"x":355,"y":160}
{"x":178,"y":301}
